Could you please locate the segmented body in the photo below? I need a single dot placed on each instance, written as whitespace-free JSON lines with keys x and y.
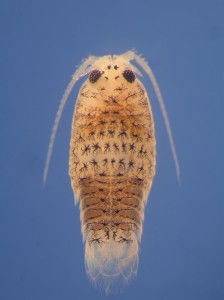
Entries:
{"x":112,"y":165}
{"x":112,"y":161}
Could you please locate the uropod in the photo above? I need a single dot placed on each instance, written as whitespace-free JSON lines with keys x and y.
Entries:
{"x":112,"y":162}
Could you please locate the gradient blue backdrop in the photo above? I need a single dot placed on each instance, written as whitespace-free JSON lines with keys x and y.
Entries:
{"x":42,"y":42}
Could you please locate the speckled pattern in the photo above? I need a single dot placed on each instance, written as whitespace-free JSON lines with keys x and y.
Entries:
{"x":112,"y":155}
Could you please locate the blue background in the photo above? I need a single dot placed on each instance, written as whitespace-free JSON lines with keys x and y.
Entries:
{"x":42,"y":42}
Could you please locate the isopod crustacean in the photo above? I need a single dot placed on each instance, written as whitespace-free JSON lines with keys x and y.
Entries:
{"x":112,"y":161}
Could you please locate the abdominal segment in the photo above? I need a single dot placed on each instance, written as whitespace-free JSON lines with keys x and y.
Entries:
{"x":111,"y":210}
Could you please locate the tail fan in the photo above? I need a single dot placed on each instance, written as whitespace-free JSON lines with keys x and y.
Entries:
{"x":112,"y":264}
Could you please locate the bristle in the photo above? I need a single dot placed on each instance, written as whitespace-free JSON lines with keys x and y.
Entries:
{"x":111,"y":265}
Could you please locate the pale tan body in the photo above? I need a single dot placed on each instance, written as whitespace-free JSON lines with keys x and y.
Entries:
{"x":112,"y":161}
{"x":112,"y":157}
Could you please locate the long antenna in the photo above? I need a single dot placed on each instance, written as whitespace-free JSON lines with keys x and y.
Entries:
{"x":132,"y":55}
{"x":83,"y":69}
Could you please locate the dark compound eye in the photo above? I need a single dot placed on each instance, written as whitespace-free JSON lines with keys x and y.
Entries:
{"x":94,"y":76}
{"x":129,"y":75}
